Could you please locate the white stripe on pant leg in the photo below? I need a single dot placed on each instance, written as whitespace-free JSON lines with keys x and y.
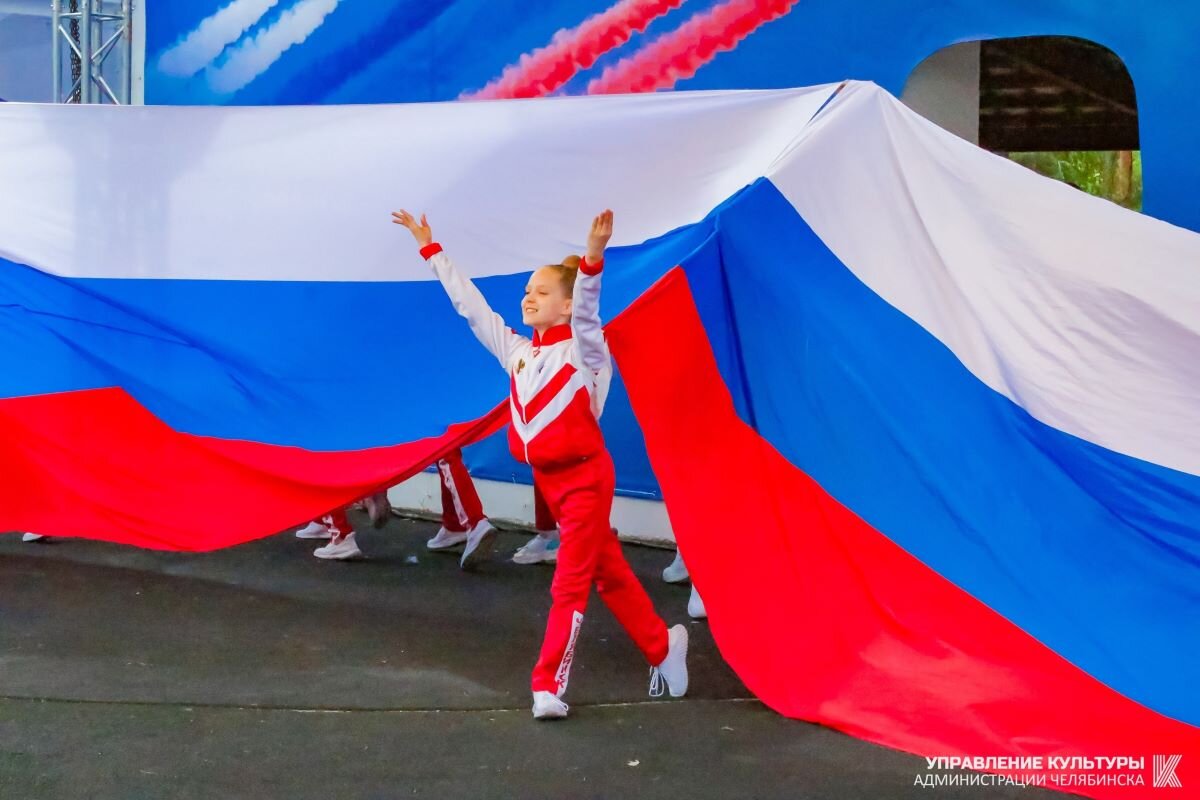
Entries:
{"x":564,"y":667}
{"x":448,"y":480}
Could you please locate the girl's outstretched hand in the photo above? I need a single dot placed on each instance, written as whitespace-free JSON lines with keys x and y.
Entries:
{"x":598,"y":237}
{"x":421,"y":230}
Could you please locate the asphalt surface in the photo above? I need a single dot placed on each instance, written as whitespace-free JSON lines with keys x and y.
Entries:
{"x":262,"y":672}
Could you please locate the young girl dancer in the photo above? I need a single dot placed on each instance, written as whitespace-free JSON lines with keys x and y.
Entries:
{"x":559,"y":381}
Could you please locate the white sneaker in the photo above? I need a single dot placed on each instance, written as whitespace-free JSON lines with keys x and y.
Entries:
{"x":677,"y":572}
{"x":32,"y":537}
{"x":313,"y":530}
{"x":481,"y":541}
{"x":696,"y":605}
{"x":541,"y":549}
{"x":446,"y":539}
{"x":346,"y":548}
{"x":546,"y":705}
{"x":673,"y":669}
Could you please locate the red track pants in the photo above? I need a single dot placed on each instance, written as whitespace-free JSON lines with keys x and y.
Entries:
{"x":580,"y":497}
{"x":338,"y":524}
{"x":461,"y":507}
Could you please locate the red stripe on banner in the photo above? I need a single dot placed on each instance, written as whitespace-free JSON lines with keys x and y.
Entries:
{"x":96,"y":464}
{"x":546,"y":69}
{"x":828,"y":620}
{"x":681,"y":53}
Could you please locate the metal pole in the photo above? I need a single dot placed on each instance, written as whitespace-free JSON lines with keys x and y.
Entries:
{"x":73,"y":40}
{"x":127,"y":50}
{"x":80,"y":25}
{"x":85,"y":48}
{"x":56,"y":50}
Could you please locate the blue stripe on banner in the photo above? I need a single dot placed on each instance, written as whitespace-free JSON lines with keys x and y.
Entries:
{"x":320,"y":365}
{"x":1095,"y":554}
{"x":324,"y":366}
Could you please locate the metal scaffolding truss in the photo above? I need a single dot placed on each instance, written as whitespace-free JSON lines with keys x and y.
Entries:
{"x":99,"y":48}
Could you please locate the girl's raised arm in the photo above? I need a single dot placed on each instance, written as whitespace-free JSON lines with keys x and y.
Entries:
{"x":488,"y":326}
{"x":585,"y":303}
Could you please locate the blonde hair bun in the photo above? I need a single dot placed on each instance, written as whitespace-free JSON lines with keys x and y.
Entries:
{"x":571,"y":262}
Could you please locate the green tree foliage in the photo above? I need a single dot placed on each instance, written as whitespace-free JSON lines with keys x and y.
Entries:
{"x":1112,"y":174}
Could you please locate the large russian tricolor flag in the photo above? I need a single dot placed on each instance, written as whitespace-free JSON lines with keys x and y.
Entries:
{"x":966,"y":398}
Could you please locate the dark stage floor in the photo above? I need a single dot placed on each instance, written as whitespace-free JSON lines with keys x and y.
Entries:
{"x":262,"y":672}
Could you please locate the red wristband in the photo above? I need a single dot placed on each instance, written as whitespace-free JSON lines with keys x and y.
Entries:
{"x":588,"y":268}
